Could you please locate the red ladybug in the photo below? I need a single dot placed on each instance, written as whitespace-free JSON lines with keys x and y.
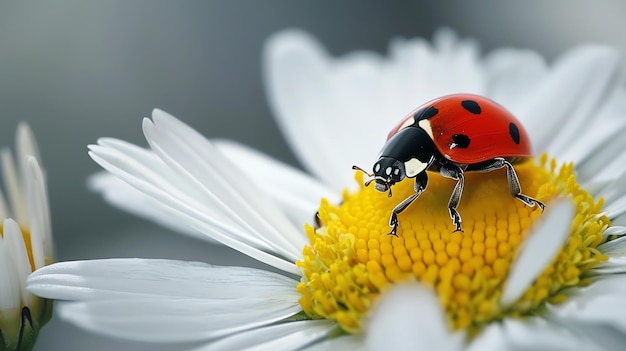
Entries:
{"x":451,"y":135}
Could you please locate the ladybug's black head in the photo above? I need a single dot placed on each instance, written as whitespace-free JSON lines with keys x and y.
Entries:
{"x":387,"y":172}
{"x":408,"y":153}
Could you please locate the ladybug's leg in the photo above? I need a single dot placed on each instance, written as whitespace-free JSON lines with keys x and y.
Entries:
{"x":452,"y":171}
{"x":514,"y":185}
{"x":421,"y":181}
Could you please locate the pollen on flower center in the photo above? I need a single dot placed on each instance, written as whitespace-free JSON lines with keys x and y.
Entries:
{"x":352,"y":259}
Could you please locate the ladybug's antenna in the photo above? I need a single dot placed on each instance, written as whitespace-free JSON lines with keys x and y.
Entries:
{"x":371,"y":175}
{"x":357,"y":168}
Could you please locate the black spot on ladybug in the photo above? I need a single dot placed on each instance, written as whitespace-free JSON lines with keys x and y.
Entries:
{"x":425,"y":113}
{"x":471,"y":105}
{"x":460,"y":140}
{"x":514,"y":132}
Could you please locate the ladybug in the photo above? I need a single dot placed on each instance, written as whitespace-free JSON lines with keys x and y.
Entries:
{"x":451,"y":135}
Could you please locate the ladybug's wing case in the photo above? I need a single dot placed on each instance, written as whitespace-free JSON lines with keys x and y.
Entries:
{"x":469,"y":129}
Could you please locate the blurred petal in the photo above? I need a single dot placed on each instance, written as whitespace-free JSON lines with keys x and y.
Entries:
{"x":16,"y":249}
{"x":316,"y":98}
{"x":409,"y":317}
{"x":539,"y":249}
{"x":561,"y":104}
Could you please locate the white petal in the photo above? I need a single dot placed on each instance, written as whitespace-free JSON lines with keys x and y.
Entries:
{"x":142,"y":170}
{"x":297,"y":76}
{"x":616,"y":247}
{"x":194,"y":158}
{"x":117,"y":278}
{"x":615,"y":190}
{"x":603,"y":285}
{"x":38,"y":212}
{"x":613,"y":265}
{"x":538,"y":250}
{"x":292,"y":335}
{"x":297,"y":193}
{"x":25,"y":146}
{"x":163,"y":300}
{"x":173,"y":320}
{"x":613,"y":230}
{"x":601,"y":309}
{"x":531,"y":333}
{"x":344,"y":342}
{"x":600,"y":162}
{"x":409,"y":317}
{"x":577,"y":81}
{"x":14,"y":188}
{"x":513,"y":73}
{"x":122,"y":195}
{"x":17,"y":250}
{"x":9,"y":280}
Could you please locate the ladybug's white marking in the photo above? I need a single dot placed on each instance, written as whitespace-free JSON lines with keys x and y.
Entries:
{"x":396,"y":171}
{"x":377,"y":167}
{"x":414,"y":167}
{"x":425,"y":125}
{"x":407,"y":123}
{"x":388,"y":170}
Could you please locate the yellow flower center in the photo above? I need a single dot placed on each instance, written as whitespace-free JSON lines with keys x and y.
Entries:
{"x":352,"y":259}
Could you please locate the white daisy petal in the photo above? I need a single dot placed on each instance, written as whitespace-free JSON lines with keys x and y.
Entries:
{"x":409,"y":317}
{"x":118,"y":158}
{"x":345,"y":342}
{"x":616,"y":247}
{"x":193,"y":157}
{"x":174,"y":319}
{"x":297,"y":193}
{"x":143,"y":170}
{"x":116,"y":278}
{"x":297,"y":84}
{"x":591,"y":336}
{"x":513,"y":73}
{"x":25,"y":146}
{"x":578,"y":81}
{"x":14,"y":188}
{"x":600,"y":161}
{"x":17,"y":250}
{"x":124,"y":196}
{"x":285,"y":336}
{"x":613,"y":265}
{"x":603,"y":285}
{"x":539,"y":249}
{"x":530,"y":334}
{"x":600,"y":309}
{"x":39,"y":212}
{"x":10,"y":286}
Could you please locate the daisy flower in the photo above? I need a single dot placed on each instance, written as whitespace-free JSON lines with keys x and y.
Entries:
{"x":514,"y":279}
{"x":25,"y":243}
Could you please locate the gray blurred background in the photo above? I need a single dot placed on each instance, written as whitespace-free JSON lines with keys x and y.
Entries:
{"x":77,"y":71}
